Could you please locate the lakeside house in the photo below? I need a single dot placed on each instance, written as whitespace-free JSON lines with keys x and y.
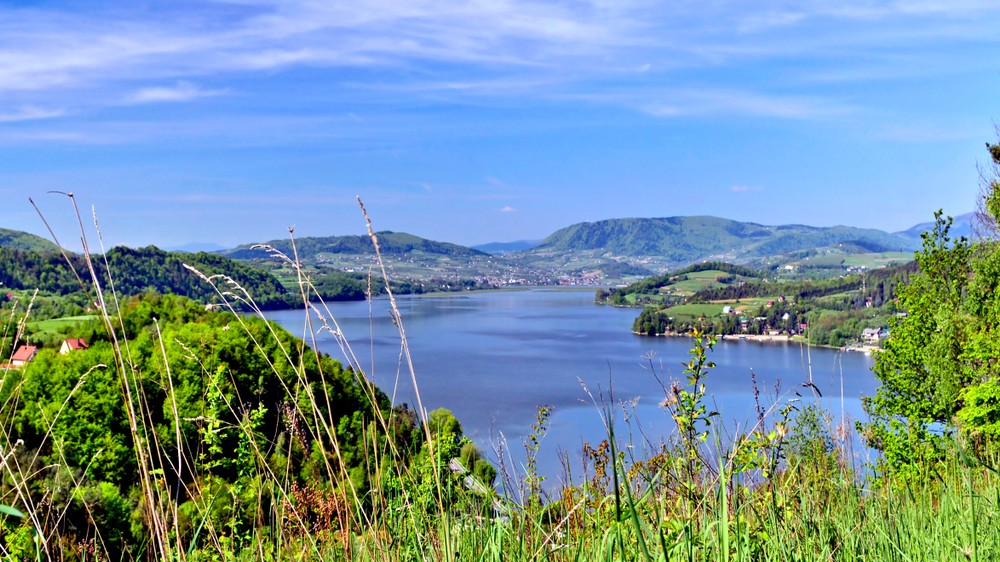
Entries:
{"x":874,"y":335}
{"x":23,"y":355}
{"x":72,"y":345}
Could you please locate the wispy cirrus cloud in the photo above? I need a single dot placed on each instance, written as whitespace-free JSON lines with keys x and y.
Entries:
{"x":30,"y":113}
{"x":495,"y":182}
{"x":716,"y":102}
{"x":780,"y":60}
{"x":181,"y":92}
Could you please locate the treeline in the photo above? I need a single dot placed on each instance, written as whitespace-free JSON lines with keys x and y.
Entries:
{"x":779,"y":317}
{"x":349,"y":286}
{"x":878,"y":284}
{"x":139,"y":271}
{"x":151,"y":270}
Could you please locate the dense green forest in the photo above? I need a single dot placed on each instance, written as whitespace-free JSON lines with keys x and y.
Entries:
{"x":138,"y":271}
{"x":238,"y":402}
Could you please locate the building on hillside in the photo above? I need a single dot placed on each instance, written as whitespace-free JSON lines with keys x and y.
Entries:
{"x":23,"y":355}
{"x":73,"y":345}
{"x":874,"y":335}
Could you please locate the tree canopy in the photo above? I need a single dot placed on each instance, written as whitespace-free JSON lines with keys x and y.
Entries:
{"x":940,"y":368}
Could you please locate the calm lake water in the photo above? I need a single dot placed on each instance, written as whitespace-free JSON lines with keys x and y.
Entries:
{"x":493,"y":357}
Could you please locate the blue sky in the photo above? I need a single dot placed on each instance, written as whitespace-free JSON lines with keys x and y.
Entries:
{"x":492,"y":120}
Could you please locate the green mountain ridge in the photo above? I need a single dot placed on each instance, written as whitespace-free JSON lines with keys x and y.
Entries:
{"x":690,"y":239}
{"x":311,"y":248}
{"x":18,"y":240}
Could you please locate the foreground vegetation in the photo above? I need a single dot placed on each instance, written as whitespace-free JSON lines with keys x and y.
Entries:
{"x":191,"y":434}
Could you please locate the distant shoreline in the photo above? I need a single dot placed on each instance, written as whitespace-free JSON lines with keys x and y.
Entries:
{"x":782,"y":338}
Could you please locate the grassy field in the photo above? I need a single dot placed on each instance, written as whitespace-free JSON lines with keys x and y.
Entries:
{"x":684,"y":286}
{"x":696,"y":281}
{"x":872,"y":261}
{"x":714,"y":308}
{"x":694,"y":311}
{"x":56,"y":324}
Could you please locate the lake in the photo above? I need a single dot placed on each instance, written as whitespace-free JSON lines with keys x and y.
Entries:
{"x":493,"y":357}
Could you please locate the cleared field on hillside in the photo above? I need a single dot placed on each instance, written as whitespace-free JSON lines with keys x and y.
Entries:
{"x":54,"y":324}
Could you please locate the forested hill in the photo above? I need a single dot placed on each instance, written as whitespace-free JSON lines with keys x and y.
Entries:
{"x":688,"y":239}
{"x":391,"y":243}
{"x":139,"y":271}
{"x":18,"y":240}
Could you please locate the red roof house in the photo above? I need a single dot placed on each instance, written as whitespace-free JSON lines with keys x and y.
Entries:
{"x":73,"y":345}
{"x":24,"y":354}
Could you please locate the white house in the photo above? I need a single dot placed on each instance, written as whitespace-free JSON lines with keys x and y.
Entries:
{"x":72,"y":345}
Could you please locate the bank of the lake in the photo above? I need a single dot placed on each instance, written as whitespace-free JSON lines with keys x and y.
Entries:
{"x":494,"y":357}
{"x":769,"y":338}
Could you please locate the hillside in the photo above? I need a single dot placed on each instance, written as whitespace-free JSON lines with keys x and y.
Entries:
{"x":390,"y":243}
{"x":414,"y":264}
{"x":139,"y":271}
{"x":18,"y":240}
{"x":690,"y":239}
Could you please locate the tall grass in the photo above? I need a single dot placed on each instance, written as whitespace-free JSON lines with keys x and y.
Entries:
{"x":783,"y":489}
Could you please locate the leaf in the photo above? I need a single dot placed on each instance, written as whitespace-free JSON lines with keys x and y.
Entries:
{"x":12,"y":511}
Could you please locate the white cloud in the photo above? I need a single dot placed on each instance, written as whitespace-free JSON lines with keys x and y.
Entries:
{"x":30,"y":113}
{"x":714,"y":102}
{"x":508,"y":209}
{"x":764,"y":21}
{"x":182,"y":91}
{"x":743,"y":188}
{"x":725,"y":57}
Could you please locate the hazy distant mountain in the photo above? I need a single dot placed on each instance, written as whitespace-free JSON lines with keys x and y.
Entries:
{"x":960,"y":226}
{"x":690,"y":239}
{"x":18,"y":240}
{"x":390,"y":243}
{"x":193,"y":247}
{"x":507,"y":247}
